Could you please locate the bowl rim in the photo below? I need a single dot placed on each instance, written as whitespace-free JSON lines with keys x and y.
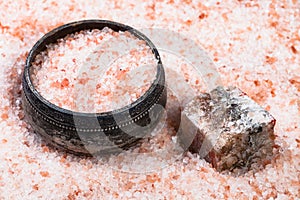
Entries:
{"x":41,"y":43}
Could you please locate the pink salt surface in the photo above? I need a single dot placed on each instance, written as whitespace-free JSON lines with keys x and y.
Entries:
{"x":72,"y":73}
{"x":254,"y":44}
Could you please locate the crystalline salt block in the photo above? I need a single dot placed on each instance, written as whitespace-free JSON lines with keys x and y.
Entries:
{"x":228,"y":129}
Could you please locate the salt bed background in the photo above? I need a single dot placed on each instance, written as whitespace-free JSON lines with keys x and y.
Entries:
{"x":254,"y":44}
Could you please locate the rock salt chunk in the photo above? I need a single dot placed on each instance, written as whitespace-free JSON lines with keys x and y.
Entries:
{"x":228,"y":129}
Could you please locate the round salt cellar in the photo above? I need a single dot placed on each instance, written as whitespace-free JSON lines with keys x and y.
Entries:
{"x":92,"y":133}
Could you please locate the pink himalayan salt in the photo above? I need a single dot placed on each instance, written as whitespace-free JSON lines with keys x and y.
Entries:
{"x":71,"y":75}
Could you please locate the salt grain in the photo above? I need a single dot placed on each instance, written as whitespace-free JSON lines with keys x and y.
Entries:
{"x":242,"y":54}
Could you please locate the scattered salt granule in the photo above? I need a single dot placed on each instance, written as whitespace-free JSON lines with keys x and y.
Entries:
{"x":238,"y":35}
